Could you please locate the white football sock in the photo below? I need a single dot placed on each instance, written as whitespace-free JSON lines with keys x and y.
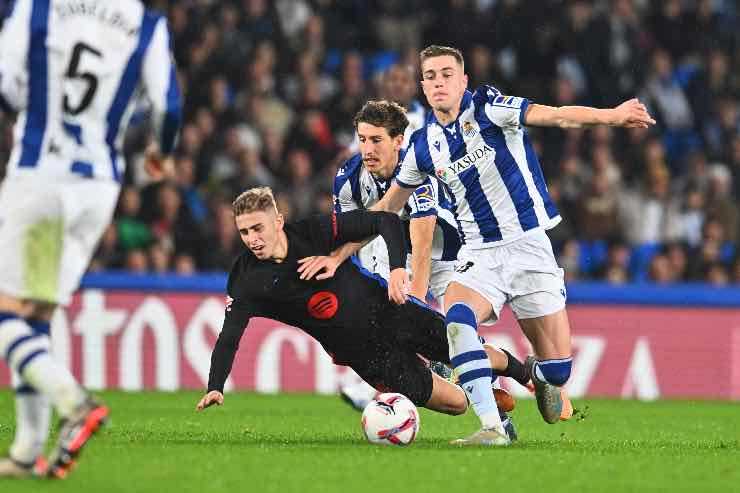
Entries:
{"x":32,"y":418}
{"x":27,"y":353}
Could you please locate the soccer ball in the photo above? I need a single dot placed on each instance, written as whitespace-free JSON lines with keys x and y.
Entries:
{"x":390,"y":419}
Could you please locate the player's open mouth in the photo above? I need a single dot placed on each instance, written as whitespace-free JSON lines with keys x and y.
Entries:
{"x":257,"y":249}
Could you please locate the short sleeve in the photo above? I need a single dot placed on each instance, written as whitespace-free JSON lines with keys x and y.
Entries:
{"x":423,"y":202}
{"x":503,"y":111}
{"x":416,"y":164}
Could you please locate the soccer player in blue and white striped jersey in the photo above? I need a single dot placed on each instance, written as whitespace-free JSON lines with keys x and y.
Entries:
{"x":476,"y":144}
{"x":72,"y":71}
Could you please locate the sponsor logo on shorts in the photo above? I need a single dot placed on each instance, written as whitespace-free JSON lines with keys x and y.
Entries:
{"x":464,"y":267}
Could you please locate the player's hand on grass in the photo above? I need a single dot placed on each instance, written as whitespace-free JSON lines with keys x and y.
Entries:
{"x":398,"y":285}
{"x":323,"y":265}
{"x":211,"y":398}
{"x":632,"y":114}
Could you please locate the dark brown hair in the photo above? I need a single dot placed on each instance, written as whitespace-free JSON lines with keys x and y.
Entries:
{"x":386,"y":114}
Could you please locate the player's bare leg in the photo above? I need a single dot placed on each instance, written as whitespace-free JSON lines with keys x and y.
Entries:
{"x":551,"y":366}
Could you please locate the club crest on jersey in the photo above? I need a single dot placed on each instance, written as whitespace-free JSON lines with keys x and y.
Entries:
{"x":473,"y":158}
{"x":468,"y":129}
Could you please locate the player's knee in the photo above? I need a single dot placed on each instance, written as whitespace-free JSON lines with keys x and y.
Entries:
{"x":556,"y":371}
{"x":462,"y":314}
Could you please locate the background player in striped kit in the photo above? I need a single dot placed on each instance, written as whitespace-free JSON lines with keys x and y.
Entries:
{"x":72,"y":71}
{"x":475,"y":143}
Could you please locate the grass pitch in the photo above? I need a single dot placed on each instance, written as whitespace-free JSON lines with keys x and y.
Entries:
{"x":156,"y":442}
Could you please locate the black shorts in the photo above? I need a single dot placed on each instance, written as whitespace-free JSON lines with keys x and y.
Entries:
{"x":390,"y":361}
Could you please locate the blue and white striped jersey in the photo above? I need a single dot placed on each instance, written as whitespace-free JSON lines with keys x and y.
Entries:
{"x":356,"y":188}
{"x":73,"y":70}
{"x":487,"y":164}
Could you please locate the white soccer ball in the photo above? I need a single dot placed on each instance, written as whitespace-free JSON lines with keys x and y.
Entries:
{"x":390,"y":419}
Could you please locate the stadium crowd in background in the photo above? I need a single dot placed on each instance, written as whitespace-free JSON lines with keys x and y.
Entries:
{"x":271,"y":88}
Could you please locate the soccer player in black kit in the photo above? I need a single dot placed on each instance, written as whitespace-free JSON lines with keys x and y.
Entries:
{"x":378,"y":333}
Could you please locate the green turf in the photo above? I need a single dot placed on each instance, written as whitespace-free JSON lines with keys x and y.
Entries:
{"x":156,"y":442}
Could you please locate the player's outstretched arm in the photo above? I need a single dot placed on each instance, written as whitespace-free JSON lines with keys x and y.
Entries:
{"x":208,"y":400}
{"x":630,"y":114}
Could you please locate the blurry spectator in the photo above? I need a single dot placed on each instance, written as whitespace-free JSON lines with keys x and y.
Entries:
{"x":616,"y":268}
{"x":651,"y":214}
{"x":160,"y":257}
{"x":400,"y":26}
{"x":720,"y":130}
{"x":260,"y":21}
{"x":668,"y":104}
{"x":185,"y":180}
{"x":108,"y":255}
{"x":312,"y":135}
{"x":293,"y":16}
{"x":710,"y":82}
{"x":709,"y":252}
{"x":602,"y":162}
{"x":173,"y":224}
{"x":696,"y":176}
{"x":677,"y":257}
{"x":131,"y":231}
{"x":569,"y":260}
{"x":301,"y":187}
{"x":185,"y":265}
{"x":597,"y":216}
{"x":660,"y":269}
{"x":720,"y":206}
{"x":667,"y":25}
{"x":307,"y":71}
{"x":692,"y":217}
{"x":224,"y":243}
{"x":626,"y":41}
{"x":137,"y":261}
{"x":717,"y":274}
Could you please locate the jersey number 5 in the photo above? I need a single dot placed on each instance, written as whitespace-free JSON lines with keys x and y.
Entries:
{"x":73,"y":72}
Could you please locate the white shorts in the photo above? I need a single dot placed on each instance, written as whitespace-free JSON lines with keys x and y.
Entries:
{"x":374,"y":257}
{"x":49,"y":232}
{"x":523,"y":274}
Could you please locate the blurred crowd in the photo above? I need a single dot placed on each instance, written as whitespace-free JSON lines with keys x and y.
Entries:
{"x":271,"y":88}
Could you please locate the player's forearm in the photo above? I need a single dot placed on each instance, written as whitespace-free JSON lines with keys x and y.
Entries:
{"x":421,"y":231}
{"x":225,"y":350}
{"x":221,"y":361}
{"x":348,"y":249}
{"x":363,"y":225}
{"x":421,"y":272}
{"x":569,"y":116}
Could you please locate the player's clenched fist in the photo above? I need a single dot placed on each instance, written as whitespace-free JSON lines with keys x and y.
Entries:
{"x":211,"y":398}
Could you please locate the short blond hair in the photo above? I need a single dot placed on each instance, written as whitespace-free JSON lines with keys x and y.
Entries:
{"x":254,"y":199}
